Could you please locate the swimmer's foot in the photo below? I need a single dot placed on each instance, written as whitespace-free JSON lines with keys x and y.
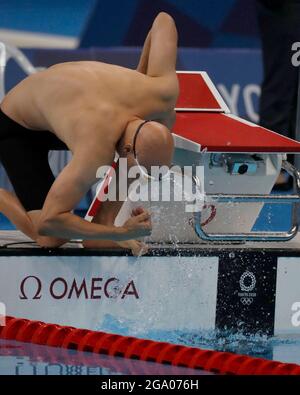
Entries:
{"x":138,"y":248}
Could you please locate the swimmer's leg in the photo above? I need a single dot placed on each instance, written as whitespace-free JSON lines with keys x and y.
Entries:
{"x":163,"y":46}
{"x":159,"y":53}
{"x":24,"y":221}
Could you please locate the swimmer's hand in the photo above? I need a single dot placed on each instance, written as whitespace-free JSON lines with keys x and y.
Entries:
{"x":137,"y":247}
{"x":139,"y":225}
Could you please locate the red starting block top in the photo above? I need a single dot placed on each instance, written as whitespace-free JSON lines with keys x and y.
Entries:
{"x":227,"y":133}
{"x":204,"y":120}
{"x":198,"y":93}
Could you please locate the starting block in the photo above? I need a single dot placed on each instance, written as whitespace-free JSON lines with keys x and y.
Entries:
{"x":241,"y":162}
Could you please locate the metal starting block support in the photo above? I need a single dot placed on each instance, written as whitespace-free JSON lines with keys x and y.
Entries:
{"x":270,"y":199}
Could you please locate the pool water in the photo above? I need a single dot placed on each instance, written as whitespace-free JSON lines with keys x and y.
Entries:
{"x":277,"y":348}
{"x":18,"y":358}
{"x":283,"y":349}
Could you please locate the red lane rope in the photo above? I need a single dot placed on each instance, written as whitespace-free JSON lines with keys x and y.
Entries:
{"x":141,"y":349}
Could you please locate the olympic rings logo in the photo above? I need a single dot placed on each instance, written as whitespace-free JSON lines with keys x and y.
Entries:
{"x":246,"y":301}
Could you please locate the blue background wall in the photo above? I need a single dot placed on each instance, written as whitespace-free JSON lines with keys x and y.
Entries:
{"x":201,"y":23}
{"x":62,"y":17}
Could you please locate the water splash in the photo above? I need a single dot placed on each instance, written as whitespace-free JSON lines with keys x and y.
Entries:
{"x":257,"y":344}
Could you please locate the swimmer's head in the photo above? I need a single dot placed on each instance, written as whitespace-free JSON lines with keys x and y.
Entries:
{"x":147,"y":142}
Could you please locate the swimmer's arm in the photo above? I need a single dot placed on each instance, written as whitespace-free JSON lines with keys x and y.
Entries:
{"x":68,"y":189}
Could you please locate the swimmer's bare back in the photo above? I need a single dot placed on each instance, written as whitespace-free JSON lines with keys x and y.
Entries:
{"x":87,"y":105}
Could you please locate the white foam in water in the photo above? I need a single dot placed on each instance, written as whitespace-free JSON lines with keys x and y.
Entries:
{"x":170,"y":203}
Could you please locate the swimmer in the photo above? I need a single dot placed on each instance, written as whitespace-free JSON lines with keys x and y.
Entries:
{"x":92,"y":109}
